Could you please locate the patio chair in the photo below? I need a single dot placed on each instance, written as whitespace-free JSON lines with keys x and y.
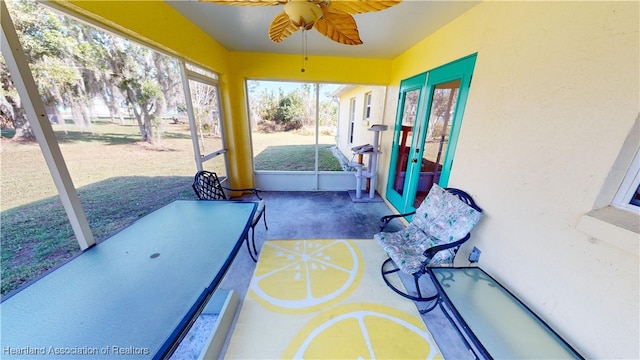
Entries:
{"x":207,"y":186}
{"x":439,"y":226}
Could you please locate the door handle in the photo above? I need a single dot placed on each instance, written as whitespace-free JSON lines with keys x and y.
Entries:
{"x":414,"y":160}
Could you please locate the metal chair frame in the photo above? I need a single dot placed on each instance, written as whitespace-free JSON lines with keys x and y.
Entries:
{"x":207,"y":186}
{"x":429,"y":254}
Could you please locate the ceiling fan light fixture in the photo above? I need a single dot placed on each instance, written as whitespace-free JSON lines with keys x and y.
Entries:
{"x":332,"y":19}
{"x":302,"y":13}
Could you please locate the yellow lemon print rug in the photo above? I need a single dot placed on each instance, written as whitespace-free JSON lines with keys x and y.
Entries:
{"x":325,"y":299}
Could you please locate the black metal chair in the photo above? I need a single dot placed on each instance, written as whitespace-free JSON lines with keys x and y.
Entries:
{"x":439,"y":226}
{"x":207,"y":186}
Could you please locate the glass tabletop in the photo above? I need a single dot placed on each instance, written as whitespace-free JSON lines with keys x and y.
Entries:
{"x":130,"y":294}
{"x":504,"y":326}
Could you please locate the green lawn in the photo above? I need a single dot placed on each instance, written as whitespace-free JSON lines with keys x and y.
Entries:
{"x":296,"y":158}
{"x":118,"y":179}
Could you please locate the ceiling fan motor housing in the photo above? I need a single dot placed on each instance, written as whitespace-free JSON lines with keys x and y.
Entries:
{"x":302,"y":13}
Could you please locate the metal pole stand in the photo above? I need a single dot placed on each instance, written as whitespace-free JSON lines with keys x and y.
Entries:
{"x":372,"y":166}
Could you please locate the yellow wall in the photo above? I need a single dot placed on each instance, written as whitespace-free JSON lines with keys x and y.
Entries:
{"x":258,"y":66}
{"x":554,"y":96}
{"x":317,"y":68}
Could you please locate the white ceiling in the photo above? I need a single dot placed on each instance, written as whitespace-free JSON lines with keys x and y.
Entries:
{"x":385,"y":34}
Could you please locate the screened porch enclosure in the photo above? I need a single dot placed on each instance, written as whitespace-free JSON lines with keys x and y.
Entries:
{"x":549,"y":143}
{"x":302,"y":138}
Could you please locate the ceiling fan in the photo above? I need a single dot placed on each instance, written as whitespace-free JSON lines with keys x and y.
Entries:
{"x":331,"y":18}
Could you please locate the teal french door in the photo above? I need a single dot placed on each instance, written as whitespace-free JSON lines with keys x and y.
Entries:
{"x":428,"y":121}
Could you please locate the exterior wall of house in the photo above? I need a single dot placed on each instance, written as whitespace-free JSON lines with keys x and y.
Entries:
{"x":550,"y":128}
{"x":361,"y":134}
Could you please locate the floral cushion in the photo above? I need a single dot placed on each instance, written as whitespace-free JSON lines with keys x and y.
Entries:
{"x":441,"y":219}
{"x":406,"y":247}
{"x":444,"y":216}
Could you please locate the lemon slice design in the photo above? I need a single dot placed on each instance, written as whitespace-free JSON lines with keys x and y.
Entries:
{"x":363,"y":331}
{"x":302,"y":275}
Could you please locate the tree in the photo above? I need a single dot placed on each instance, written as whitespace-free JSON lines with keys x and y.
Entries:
{"x":168,"y":78}
{"x":134,"y":71}
{"x":59,"y":58}
{"x":110,"y":93}
{"x":31,"y":23}
{"x":205,"y":108}
{"x":281,"y":112}
{"x":11,"y":110}
{"x":328,"y":114}
{"x":74,"y":63}
{"x":442,"y":107}
{"x":150,"y":82}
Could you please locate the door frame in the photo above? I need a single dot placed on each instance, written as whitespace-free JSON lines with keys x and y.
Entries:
{"x":461,"y":69}
{"x":416,"y":82}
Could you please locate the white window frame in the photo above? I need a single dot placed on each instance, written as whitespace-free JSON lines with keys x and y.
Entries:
{"x":367,"y":106}
{"x":352,"y":118}
{"x":629,"y":186}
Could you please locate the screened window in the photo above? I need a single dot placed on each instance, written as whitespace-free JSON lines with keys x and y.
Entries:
{"x":118,"y":110}
{"x":293,"y":126}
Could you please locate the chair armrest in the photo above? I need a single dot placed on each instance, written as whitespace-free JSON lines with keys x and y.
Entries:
{"x":384,"y":221}
{"x":430,"y":252}
{"x":255,"y":191}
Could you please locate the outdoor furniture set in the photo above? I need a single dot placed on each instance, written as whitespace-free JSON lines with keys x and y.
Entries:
{"x":491,"y":321}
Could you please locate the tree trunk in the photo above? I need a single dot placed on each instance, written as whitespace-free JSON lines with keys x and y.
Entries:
{"x":148,"y":125}
{"x":140,"y":121}
{"x":20,"y":121}
{"x":109,"y":95}
{"x":18,"y":118}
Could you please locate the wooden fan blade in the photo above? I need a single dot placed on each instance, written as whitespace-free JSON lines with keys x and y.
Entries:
{"x":359,"y":6}
{"x":281,"y":27}
{"x":247,"y":2}
{"x":339,"y":27}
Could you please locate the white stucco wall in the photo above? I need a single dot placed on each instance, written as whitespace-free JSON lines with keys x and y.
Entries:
{"x":553,"y":101}
{"x":361,"y":135}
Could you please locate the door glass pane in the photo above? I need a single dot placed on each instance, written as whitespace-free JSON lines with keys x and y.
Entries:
{"x":409,"y":113}
{"x":443,"y":106}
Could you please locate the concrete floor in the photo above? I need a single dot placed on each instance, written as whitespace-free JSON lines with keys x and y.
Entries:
{"x":307,"y":215}
{"x":329,"y":215}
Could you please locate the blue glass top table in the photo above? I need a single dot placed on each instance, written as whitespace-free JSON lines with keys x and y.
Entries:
{"x":133,"y":294}
{"x":498,"y":324}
